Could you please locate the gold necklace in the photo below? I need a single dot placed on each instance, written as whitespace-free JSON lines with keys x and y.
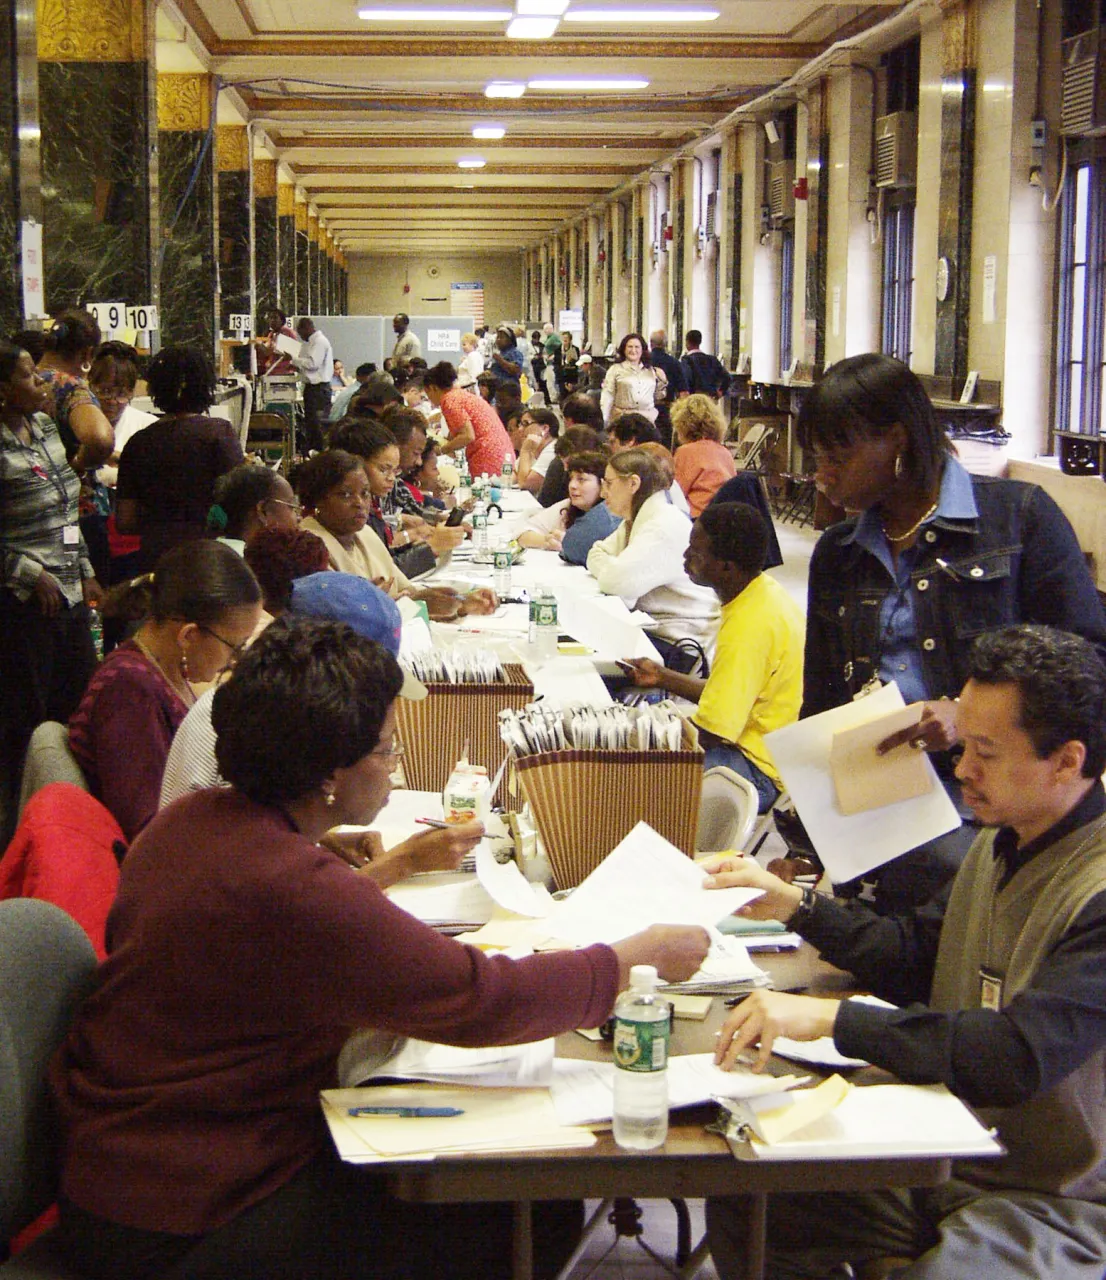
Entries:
{"x":187,"y":694}
{"x":902,"y":537}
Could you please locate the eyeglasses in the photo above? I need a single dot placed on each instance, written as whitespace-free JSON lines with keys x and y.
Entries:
{"x":293,"y":506}
{"x":395,"y":752}
{"x":236,"y":650}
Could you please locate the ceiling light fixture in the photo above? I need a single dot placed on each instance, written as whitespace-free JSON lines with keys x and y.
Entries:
{"x":490,"y":131}
{"x":458,"y":14}
{"x":540,"y":8}
{"x":595,"y":84}
{"x":618,"y":16}
{"x":532,"y":28}
{"x":504,"y":89}
{"x":471,"y":162}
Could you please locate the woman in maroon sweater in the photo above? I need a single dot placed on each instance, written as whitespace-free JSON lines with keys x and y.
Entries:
{"x":240,"y":955}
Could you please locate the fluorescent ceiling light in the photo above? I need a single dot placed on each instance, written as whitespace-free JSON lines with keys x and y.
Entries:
{"x":504,"y":89}
{"x":488,"y":131}
{"x":434,"y":15}
{"x":541,"y":8}
{"x":586,"y":82}
{"x":532,"y":28}
{"x":471,"y":162}
{"x":613,"y":16}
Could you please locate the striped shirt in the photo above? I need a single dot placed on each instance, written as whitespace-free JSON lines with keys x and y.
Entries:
{"x":38,"y":504}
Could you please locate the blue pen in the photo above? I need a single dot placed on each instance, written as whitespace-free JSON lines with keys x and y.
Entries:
{"x":407,"y":1113}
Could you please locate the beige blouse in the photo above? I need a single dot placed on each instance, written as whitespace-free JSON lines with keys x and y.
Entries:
{"x":367,"y":558}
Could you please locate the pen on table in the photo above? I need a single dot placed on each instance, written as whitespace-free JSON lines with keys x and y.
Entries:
{"x":407,"y":1113}
{"x":432,"y":822}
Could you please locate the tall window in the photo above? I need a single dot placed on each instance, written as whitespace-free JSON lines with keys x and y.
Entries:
{"x":1080,"y":353}
{"x":898,"y":280}
{"x":787,"y":291}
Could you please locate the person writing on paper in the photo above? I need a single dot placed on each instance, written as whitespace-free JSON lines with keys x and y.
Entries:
{"x":240,"y":954}
{"x":932,"y":557}
{"x":756,"y":679}
{"x":1001,"y":979}
{"x":643,"y":560}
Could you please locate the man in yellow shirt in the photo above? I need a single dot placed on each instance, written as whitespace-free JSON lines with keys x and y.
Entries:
{"x":756,"y":682}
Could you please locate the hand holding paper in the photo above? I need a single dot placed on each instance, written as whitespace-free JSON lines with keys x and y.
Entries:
{"x":868,"y":776}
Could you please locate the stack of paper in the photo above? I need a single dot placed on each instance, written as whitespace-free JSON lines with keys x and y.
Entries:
{"x":583,"y":1091}
{"x":509,"y":1066}
{"x":838,"y":1121}
{"x":489,"y":1120}
{"x":727,"y":970}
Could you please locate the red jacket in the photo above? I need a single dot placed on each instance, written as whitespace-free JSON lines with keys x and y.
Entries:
{"x":64,"y":851}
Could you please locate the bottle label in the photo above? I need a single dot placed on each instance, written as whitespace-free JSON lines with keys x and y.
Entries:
{"x":641,"y":1046}
{"x":546,"y":613}
{"x":480,"y":521}
{"x":502,"y":559}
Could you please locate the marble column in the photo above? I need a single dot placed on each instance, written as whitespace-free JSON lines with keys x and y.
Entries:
{"x":186,"y":169}
{"x":99,"y":161}
{"x":326,"y":271}
{"x":954,"y":217}
{"x":286,"y":246}
{"x":265,"y":233}
{"x":232,"y":165}
{"x":313,"y":293}
{"x":817,"y":226}
{"x":20,"y":152}
{"x":302,"y":302}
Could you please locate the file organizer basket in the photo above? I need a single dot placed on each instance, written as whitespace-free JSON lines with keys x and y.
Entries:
{"x":434,"y":730}
{"x":585,"y":801}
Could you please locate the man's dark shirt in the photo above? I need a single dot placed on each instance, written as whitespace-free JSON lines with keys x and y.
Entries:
{"x":705,"y":373}
{"x":673,"y":370}
{"x":987,"y":1058}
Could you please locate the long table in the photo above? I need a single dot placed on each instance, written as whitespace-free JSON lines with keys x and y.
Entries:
{"x":692,"y":1163}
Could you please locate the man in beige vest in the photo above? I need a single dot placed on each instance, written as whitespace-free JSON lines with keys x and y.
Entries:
{"x":1001,"y":979}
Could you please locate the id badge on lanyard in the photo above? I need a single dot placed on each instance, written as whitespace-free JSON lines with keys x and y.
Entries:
{"x":990,"y":989}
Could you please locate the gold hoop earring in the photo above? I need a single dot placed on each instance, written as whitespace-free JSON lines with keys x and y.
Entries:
{"x":899,"y":468}
{"x":331,"y":800}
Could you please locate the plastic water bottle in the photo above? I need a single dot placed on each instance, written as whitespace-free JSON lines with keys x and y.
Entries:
{"x":641,"y":1028}
{"x":501,"y":577}
{"x":480,"y":526}
{"x":508,"y":475}
{"x":544,"y":628}
{"x":96,"y":626}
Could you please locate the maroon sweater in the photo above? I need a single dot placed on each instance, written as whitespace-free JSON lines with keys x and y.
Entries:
{"x":239,"y":957}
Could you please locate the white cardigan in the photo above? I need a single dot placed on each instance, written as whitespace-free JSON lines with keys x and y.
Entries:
{"x":645,"y":566}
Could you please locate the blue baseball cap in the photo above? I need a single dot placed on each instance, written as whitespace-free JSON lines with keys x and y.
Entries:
{"x":344,"y":597}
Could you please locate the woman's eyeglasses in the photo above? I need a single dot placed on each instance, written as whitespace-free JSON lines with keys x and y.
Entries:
{"x":292,"y":506}
{"x":236,"y":650}
{"x":395,"y":752}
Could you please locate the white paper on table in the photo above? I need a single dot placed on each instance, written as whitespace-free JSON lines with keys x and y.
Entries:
{"x":850,"y":846}
{"x":884,"y":1120}
{"x":643,"y":881}
{"x":823,"y":1052}
{"x":583,"y":1091}
{"x":516,"y":1066}
{"x":564,"y":680}
{"x":603,"y":623}
{"x":459,"y":898}
{"x":506,"y":884}
{"x":289,"y":346}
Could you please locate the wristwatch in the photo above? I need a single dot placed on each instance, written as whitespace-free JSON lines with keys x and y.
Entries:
{"x":804,"y":910}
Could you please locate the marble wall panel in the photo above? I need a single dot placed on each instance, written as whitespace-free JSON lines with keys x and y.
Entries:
{"x":954,"y":220}
{"x":11,"y":297}
{"x":188,"y":261}
{"x":286,"y":253}
{"x":234,"y":243}
{"x":95,"y":182}
{"x":314,"y":292}
{"x":303,"y":301}
{"x":265,"y":252}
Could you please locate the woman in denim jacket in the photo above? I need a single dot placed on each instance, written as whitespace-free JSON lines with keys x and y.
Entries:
{"x":930,"y":557}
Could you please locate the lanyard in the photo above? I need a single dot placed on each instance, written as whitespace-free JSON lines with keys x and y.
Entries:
{"x":55,"y":477}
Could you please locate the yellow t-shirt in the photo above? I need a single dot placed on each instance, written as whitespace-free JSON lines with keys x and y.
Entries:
{"x":756,"y":681}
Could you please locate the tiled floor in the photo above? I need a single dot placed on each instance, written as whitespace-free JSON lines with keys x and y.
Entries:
{"x":627,"y":1260}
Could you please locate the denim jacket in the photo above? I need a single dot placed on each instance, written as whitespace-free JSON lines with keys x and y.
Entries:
{"x":1016,"y":561}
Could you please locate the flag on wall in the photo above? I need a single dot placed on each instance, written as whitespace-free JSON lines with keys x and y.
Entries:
{"x":467,"y":299}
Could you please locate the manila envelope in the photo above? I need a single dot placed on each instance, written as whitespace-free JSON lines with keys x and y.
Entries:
{"x":863,"y":780}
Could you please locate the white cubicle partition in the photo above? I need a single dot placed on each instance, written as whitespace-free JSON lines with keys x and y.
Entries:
{"x":357,"y":339}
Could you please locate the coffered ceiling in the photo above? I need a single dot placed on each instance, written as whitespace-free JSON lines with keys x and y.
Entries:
{"x":371,"y":118}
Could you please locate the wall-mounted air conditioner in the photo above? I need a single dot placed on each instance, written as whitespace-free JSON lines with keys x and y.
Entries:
{"x":781,"y":190}
{"x":710,"y":222}
{"x":1082,"y":91}
{"x":897,"y":149}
